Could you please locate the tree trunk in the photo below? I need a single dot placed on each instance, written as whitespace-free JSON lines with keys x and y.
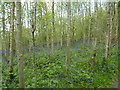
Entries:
{"x":53,"y":29}
{"x":4,"y":34}
{"x":111,"y":22}
{"x":107,"y":32}
{"x":95,"y":25}
{"x":33,"y":30}
{"x":89,"y":29}
{"x":18,"y":45}
{"x":116,"y":25}
{"x":30,"y":22}
{"x":12,"y":45}
{"x":68,"y":36}
{"x":119,"y":28}
{"x":47,"y":33}
{"x":33,"y":39}
{"x":61,"y":27}
{"x":95,"y":33}
{"x":83,"y":27}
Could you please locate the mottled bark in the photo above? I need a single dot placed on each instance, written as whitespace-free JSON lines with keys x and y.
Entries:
{"x":19,"y":45}
{"x":107,"y":32}
{"x":12,"y":43}
{"x":111,"y":21}
{"x":68,"y":36}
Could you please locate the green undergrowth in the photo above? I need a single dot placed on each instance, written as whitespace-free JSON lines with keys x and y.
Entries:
{"x":49,"y":72}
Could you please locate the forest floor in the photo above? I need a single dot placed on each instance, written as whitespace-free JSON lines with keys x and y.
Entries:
{"x":54,"y":71}
{"x":116,"y":84}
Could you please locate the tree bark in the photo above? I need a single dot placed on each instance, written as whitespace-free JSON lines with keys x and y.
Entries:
{"x":95,"y":33}
{"x":61,"y":27}
{"x":83,"y":26}
{"x":107,"y":33}
{"x":89,"y":29}
{"x":111,"y":22}
{"x":31,"y":28}
{"x":47,"y":33}
{"x":119,"y":37}
{"x":68,"y":36}
{"x":119,"y":27}
{"x":12,"y":45}
{"x":95,"y":25}
{"x":4,"y":46}
{"x":18,"y":45}
{"x":53,"y":28}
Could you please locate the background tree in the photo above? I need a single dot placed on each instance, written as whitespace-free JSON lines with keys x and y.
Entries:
{"x":119,"y":34}
{"x":95,"y":33}
{"x":89,"y":30}
{"x":4,"y":32}
{"x":68,"y":36}
{"x":12,"y":41}
{"x":53,"y":28}
{"x":47,"y":31}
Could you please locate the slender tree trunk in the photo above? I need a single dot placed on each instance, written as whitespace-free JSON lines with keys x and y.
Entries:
{"x":116,"y":24}
{"x":83,"y":27}
{"x":4,"y":33}
{"x":111,"y":22}
{"x":12,"y":45}
{"x":95,"y":33}
{"x":47,"y":33}
{"x":85,"y":14}
{"x":119,"y":37}
{"x":73,"y":27}
{"x":27,"y":14}
{"x":28,"y":26}
{"x":89,"y":29}
{"x":33,"y":40}
{"x":101,"y":28}
{"x":68,"y":36}
{"x":31,"y":27}
{"x":33,"y":30}
{"x":107,"y":32}
{"x":61,"y":27}
{"x":119,"y":27}
{"x":41,"y":25}
{"x":53,"y":29}
{"x":18,"y":46}
{"x":95,"y":25}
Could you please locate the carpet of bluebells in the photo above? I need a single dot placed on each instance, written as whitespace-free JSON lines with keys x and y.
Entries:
{"x":45,"y":71}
